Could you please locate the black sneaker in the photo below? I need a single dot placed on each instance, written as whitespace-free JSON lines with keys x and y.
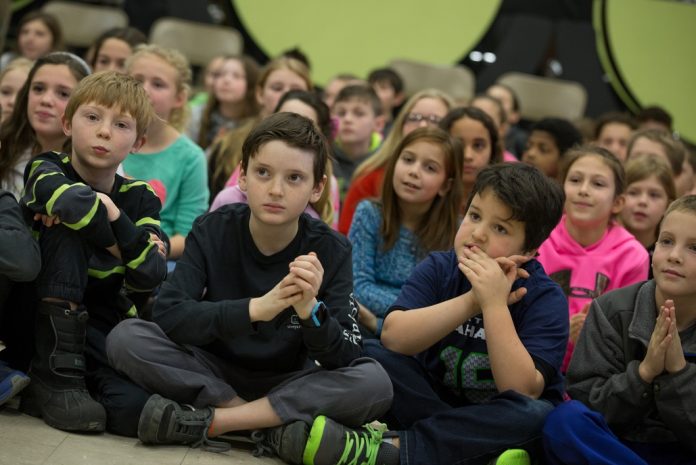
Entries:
{"x":331,"y":443}
{"x":286,"y":441}
{"x":164,"y":421}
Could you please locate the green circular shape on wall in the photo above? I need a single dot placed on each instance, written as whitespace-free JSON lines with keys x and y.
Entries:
{"x":360,"y":35}
{"x":650,"y":48}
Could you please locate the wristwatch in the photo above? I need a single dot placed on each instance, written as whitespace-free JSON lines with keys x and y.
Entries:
{"x":316,"y":316}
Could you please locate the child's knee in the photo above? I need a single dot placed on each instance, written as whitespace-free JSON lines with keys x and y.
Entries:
{"x":125,"y":341}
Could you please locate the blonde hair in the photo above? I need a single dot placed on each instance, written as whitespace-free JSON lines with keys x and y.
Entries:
{"x":673,"y":151}
{"x":17,"y":63}
{"x":113,"y":90}
{"x":179,"y":116}
{"x":381,"y":157}
{"x":283,"y":62}
{"x":648,"y":165}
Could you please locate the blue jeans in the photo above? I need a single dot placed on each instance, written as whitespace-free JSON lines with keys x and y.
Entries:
{"x":576,"y":435}
{"x":437,"y":427}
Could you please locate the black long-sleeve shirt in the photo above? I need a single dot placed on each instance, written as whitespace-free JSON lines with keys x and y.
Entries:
{"x":206,"y":301}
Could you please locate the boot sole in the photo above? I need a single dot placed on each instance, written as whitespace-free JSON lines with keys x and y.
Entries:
{"x":36,"y":397}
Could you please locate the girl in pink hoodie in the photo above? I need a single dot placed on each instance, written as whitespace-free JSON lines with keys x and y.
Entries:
{"x":588,"y":253}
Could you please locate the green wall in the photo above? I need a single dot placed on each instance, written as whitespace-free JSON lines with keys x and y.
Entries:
{"x":359,"y":35}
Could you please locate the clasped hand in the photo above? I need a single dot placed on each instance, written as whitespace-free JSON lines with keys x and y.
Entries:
{"x":298,"y":289}
{"x":665,"y":351}
{"x":491,"y":279}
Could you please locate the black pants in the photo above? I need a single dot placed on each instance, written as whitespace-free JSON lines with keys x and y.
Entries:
{"x":64,"y":275}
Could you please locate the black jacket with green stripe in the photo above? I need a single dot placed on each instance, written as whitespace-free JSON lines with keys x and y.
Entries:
{"x":116,"y":288}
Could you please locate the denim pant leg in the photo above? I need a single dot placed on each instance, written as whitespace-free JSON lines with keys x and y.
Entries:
{"x":574,"y":434}
{"x":414,"y":396}
{"x":475,"y":434}
{"x":436,"y":431}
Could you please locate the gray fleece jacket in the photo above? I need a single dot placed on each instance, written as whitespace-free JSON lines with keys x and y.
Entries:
{"x":603,"y":373}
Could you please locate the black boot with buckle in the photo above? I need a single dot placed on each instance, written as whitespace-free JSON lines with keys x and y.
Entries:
{"x":57,"y":392}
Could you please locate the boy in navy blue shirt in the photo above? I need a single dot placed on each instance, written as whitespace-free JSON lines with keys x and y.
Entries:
{"x":472,"y":376}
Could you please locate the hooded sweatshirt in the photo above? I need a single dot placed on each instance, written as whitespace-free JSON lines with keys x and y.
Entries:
{"x":616,"y":260}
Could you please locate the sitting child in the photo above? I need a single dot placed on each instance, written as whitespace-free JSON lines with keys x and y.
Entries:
{"x":102,"y":254}
{"x":633,"y":373}
{"x":261,"y":293}
{"x":484,"y":375}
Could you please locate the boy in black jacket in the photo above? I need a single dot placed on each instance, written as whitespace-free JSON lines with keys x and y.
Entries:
{"x":102,"y":254}
{"x":260,"y":293}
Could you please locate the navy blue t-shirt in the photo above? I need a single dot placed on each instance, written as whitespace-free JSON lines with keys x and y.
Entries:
{"x":459,"y":362}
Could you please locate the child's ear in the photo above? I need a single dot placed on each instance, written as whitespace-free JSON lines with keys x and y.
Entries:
{"x":618,"y":204}
{"x":259,"y":95}
{"x":181,"y":99}
{"x":138,"y":144}
{"x":67,"y":125}
{"x":317,"y":190}
{"x":446,"y":186}
{"x":242,"y":182}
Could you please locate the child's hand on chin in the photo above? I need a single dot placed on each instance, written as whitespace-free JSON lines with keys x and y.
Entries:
{"x":490,"y":282}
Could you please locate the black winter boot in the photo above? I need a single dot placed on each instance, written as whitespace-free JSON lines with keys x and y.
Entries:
{"x":57,"y":391}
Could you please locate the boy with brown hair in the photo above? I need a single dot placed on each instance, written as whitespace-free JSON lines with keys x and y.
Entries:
{"x":360,"y":121}
{"x":102,"y":253}
{"x":261,"y":293}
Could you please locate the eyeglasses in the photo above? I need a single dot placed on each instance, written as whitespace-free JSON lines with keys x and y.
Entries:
{"x":418,"y":117}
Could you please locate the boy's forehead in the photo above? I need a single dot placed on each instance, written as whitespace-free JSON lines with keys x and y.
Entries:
{"x":280,"y":154}
{"x":680,"y":222}
{"x":115,"y":108}
{"x":489,"y":201}
{"x":353,"y":102}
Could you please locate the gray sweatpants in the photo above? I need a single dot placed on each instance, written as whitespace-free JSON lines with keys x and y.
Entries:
{"x":352,"y":395}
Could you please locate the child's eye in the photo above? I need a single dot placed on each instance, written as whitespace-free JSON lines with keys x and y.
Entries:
{"x":656,"y":195}
{"x":474,"y":216}
{"x":499,"y":229}
{"x":5,"y":92}
{"x":92,"y":117}
{"x":480,"y":145}
{"x":64,"y":94}
{"x":599,"y":183}
{"x":122,"y":125}
{"x":37,"y":88}
{"x":665,"y":241}
{"x":432,"y":168}
{"x":295,"y":177}
{"x":263,"y":172}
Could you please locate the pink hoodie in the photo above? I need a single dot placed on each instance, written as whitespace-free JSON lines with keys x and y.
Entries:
{"x":584,"y":273}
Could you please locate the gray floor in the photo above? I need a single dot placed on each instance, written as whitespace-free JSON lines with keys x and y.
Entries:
{"x":25,"y":440}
